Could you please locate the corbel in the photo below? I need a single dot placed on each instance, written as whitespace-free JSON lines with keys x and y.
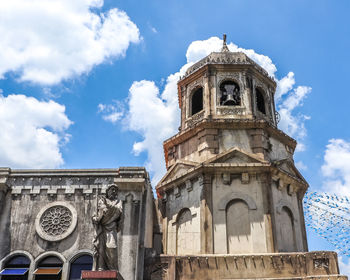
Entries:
{"x":226,"y":178}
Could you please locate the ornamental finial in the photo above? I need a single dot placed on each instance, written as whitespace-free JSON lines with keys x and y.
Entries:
{"x":224,"y":45}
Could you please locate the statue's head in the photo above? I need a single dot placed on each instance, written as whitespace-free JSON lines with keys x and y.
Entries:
{"x":112,"y":192}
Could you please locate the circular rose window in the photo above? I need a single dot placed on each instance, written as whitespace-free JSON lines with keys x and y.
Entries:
{"x":56,"y":221}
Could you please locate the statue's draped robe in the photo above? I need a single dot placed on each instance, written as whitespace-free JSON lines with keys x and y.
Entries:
{"x":105,"y":242}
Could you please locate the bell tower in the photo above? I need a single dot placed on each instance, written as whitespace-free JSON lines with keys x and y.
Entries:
{"x":226,"y":85}
{"x":231,"y":185}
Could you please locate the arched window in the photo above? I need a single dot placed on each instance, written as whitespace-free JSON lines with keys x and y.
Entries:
{"x":184,"y":235}
{"x":16,"y":268}
{"x":287,"y":232}
{"x":238,"y":229}
{"x":49,"y":268}
{"x":197,"y":101}
{"x":83,"y":262}
{"x":260,"y":101}
{"x":230,"y":94}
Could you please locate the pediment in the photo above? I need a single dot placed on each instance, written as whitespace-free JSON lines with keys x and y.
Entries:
{"x":287,"y":165}
{"x":180,"y":168}
{"x":235,"y":155}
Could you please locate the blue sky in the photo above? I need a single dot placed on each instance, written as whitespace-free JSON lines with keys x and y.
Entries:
{"x":78,"y":79}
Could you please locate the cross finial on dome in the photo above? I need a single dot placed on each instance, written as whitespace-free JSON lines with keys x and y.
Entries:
{"x":224,"y":45}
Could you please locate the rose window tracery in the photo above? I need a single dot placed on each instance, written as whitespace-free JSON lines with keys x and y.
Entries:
{"x":56,"y":220}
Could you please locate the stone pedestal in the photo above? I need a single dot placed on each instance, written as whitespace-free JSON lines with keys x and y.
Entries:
{"x":99,"y":275}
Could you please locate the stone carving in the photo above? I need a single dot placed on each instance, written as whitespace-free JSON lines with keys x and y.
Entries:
{"x":195,"y":119}
{"x":194,"y":85}
{"x":321,"y":263}
{"x":56,"y":221}
{"x":235,"y":76}
{"x":231,"y":111}
{"x":107,"y":222}
{"x":159,"y":271}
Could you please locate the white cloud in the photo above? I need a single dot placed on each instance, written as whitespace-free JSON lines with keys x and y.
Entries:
{"x":46,"y":42}
{"x":344,"y":265}
{"x":294,"y":124}
{"x":284,"y":85}
{"x":32,"y":132}
{"x":300,"y":165}
{"x":336,"y":167}
{"x":156,"y":116}
{"x":111,"y":112}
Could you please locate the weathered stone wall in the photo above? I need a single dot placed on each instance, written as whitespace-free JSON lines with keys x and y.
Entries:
{"x":249,"y":225}
{"x":288,"y":218}
{"x":31,"y":192}
{"x":183,"y":197}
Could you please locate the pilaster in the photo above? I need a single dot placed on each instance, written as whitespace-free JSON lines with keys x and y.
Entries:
{"x":4,"y":173}
{"x":206,"y":216}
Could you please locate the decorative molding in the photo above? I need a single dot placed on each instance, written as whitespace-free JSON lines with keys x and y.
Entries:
{"x":245,"y":178}
{"x":226,"y":178}
{"x":78,"y":254}
{"x":224,"y":76}
{"x":56,"y":221}
{"x":290,"y":189}
{"x":285,"y":203}
{"x":237,"y":196}
{"x":49,"y":254}
{"x":177,"y":192}
{"x":197,"y":83}
{"x":190,"y":122}
{"x":16,"y":253}
{"x":189,"y":186}
{"x":231,"y":110}
{"x":321,"y":263}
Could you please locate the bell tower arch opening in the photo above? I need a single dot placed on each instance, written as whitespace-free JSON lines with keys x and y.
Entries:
{"x":197,"y":101}
{"x":230,"y":93}
{"x":260,"y":101}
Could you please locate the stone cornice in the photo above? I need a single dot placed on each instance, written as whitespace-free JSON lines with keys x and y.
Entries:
{"x":232,"y":124}
{"x":70,"y":181}
{"x":4,"y":173}
{"x":233,"y":168}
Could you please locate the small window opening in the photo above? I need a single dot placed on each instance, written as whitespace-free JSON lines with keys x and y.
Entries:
{"x":260,"y":101}
{"x":197,"y":101}
{"x":230,"y":94}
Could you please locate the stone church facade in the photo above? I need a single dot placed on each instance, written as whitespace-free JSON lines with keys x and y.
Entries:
{"x":229,"y":206}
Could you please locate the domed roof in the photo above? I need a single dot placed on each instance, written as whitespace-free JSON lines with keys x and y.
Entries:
{"x":225,"y":56}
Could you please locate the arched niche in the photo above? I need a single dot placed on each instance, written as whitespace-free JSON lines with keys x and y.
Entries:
{"x":184,"y":233}
{"x":287,"y":230}
{"x":238,"y":228}
{"x":237,"y":196}
{"x":196,"y":100}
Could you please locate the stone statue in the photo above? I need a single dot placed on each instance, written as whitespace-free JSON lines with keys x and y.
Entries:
{"x":107,"y":222}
